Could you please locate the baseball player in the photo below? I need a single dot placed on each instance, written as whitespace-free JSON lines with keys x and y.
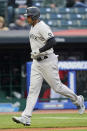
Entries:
{"x":45,"y":65}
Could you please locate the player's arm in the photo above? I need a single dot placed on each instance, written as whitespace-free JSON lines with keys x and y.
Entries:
{"x":49,"y":44}
{"x":47,"y":34}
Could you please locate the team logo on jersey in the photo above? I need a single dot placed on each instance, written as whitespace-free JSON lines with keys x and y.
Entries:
{"x":50,"y":34}
{"x":36,"y":37}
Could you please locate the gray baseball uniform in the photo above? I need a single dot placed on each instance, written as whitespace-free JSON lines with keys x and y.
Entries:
{"x":46,"y":68}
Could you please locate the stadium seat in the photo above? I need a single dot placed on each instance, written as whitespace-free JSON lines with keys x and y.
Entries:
{"x":83,"y":23}
{"x":80,"y":10}
{"x":20,"y":11}
{"x":64,"y":18}
{"x":43,"y":16}
{"x":35,"y":1}
{"x":65,"y":24}
{"x":85,"y":16}
{"x":53,"y":16}
{"x":38,"y":4}
{"x":52,"y":23}
{"x":45,"y":10}
{"x":74,"y":16}
{"x":64,"y":10}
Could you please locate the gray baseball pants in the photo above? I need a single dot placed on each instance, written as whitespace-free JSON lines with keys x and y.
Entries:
{"x":47,"y":69}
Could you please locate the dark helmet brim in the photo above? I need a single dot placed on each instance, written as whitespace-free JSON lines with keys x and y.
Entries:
{"x":26,"y":15}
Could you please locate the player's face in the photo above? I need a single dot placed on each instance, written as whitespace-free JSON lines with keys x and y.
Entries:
{"x":29,"y":19}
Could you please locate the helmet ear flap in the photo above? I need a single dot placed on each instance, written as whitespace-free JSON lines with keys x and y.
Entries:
{"x":32,"y":17}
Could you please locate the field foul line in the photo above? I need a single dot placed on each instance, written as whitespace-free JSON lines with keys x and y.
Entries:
{"x":60,"y":118}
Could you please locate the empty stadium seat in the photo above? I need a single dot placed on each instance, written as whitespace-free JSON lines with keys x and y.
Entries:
{"x":65,"y":17}
{"x":74,"y":16}
{"x":66,"y":24}
{"x":52,"y":23}
{"x":38,"y":4}
{"x":64,"y":10}
{"x":80,"y":10}
{"x":19,"y":11}
{"x":53,"y":16}
{"x":83,"y":23}
{"x":45,"y":10}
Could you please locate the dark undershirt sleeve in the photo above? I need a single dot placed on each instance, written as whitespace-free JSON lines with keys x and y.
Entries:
{"x":49,"y":44}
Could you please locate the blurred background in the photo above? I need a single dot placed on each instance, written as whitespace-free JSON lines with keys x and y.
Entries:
{"x":68,"y":21}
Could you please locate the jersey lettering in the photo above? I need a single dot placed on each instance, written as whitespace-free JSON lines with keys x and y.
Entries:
{"x":35,"y":37}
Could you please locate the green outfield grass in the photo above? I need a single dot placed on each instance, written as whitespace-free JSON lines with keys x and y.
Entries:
{"x":47,"y":121}
{"x":71,"y":130}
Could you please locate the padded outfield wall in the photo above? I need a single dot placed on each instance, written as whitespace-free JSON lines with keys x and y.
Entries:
{"x":72,"y":67}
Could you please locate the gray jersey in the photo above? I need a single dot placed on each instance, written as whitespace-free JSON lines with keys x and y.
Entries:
{"x":38,"y":36}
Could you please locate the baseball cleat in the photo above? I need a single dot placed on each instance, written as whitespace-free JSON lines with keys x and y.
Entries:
{"x":23,"y":120}
{"x":81,"y":106}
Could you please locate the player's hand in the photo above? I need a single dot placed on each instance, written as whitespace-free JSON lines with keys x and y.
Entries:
{"x":35,"y":54}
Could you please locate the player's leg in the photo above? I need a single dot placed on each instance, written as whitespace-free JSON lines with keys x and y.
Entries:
{"x":52,"y":77}
{"x":35,"y":87}
{"x":34,"y":90}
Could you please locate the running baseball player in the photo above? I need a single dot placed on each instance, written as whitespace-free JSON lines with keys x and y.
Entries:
{"x":45,"y":65}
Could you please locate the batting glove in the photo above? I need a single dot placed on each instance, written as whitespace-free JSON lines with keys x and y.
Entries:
{"x":35,"y":54}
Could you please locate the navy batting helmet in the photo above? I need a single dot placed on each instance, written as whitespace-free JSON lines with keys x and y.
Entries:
{"x":34,"y":12}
